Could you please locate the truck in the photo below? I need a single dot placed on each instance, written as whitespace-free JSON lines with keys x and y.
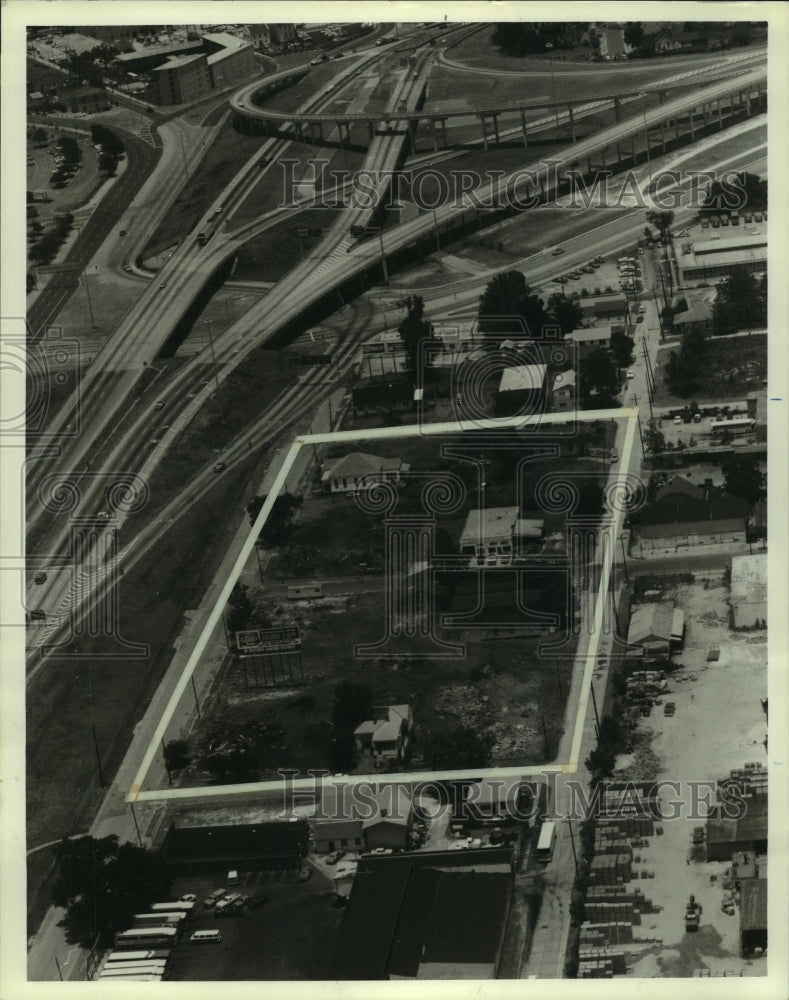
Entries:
{"x":692,"y":914}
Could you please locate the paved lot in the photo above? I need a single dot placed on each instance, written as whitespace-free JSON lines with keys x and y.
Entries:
{"x":291,"y":936}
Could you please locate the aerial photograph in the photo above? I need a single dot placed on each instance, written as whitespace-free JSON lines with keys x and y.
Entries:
{"x":393,"y":579}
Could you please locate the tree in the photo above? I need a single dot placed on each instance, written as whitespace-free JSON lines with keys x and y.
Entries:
{"x":279,"y":522}
{"x":654,"y":439}
{"x":599,"y":382}
{"x":239,"y":608}
{"x":662,"y":221}
{"x":507,"y":306}
{"x":40,"y":136}
{"x":414,"y":331}
{"x":101,"y":885}
{"x":740,"y":303}
{"x":459,"y":747}
{"x":633,"y":34}
{"x":176,"y":755}
{"x":565,"y":313}
{"x":353,"y":704}
{"x":743,"y":477}
{"x":739,"y":191}
{"x":622,"y":349}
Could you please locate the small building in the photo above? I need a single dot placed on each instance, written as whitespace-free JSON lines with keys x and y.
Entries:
{"x":612,"y":43}
{"x":385,"y":737}
{"x":381,"y":816}
{"x":753,"y":916}
{"x":683,"y":514}
{"x":564,"y":392}
{"x":591,"y":338}
{"x":498,"y":801}
{"x":727,"y":837}
{"x":748,"y":591}
{"x":698,"y":317}
{"x":358,"y":470}
{"x":283,"y":34}
{"x":259,"y":35}
{"x":248,"y":847}
{"x":85,"y":99}
{"x":381,"y":394}
{"x":611,"y":306}
{"x":657,"y":629}
{"x":494,"y":535}
{"x":521,"y":389}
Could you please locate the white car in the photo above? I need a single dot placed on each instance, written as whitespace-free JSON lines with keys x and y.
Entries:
{"x":631,"y":373}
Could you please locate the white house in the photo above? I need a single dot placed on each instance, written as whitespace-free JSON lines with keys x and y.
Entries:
{"x":386,"y":736}
{"x":564,"y":391}
{"x":359,"y":471}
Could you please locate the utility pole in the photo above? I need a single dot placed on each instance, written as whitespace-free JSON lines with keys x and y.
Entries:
{"x":166,"y":765}
{"x":216,"y":372}
{"x":572,"y":843}
{"x":136,"y":826}
{"x":624,"y":556}
{"x":98,"y":756}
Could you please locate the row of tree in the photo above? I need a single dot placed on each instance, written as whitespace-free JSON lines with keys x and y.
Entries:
{"x":43,"y":251}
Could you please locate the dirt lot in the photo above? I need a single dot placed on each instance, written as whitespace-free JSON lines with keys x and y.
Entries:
{"x":718,"y":725}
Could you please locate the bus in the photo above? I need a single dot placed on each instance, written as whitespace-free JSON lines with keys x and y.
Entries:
{"x":138,"y":956}
{"x":146,"y":937}
{"x":188,"y":909}
{"x":737,"y":425}
{"x":129,"y":979}
{"x":547,"y":841}
{"x":144,"y":968}
{"x":158,"y":920}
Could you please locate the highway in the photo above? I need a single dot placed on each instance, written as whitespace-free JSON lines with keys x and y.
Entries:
{"x":339,"y":255}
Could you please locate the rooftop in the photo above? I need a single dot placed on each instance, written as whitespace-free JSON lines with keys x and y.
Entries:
{"x":359,"y":463}
{"x":749,"y":578}
{"x":753,"y":904}
{"x":651,"y":620}
{"x":523,"y":377}
{"x":564,"y":380}
{"x":488,"y":525}
{"x":585,"y":334}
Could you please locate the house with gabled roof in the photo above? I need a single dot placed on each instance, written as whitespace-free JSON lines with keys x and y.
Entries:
{"x":359,"y":470}
{"x":385,"y":737}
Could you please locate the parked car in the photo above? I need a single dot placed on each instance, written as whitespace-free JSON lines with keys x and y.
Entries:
{"x":188,"y":897}
{"x":305,"y":874}
{"x":639,"y":319}
{"x":678,"y":419}
{"x":334,"y":857}
{"x":557,"y":251}
{"x":631,"y":373}
{"x":669,"y":708}
{"x":256,"y":901}
{"x":698,"y":834}
{"x":211,"y":900}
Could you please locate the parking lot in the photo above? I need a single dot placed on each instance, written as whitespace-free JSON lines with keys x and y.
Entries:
{"x":279,"y":939}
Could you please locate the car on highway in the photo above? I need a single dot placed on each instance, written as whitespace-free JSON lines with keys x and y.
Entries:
{"x":218,"y":209}
{"x":220,"y":467}
{"x":127,"y":267}
{"x":159,"y":405}
{"x":557,"y":251}
{"x":122,"y":232}
{"x":163,"y":285}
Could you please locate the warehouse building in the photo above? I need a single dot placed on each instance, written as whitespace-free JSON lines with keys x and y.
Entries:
{"x":716,"y":258}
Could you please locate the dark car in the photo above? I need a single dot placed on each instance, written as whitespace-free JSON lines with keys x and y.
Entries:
{"x":556,"y":252}
{"x":220,"y":467}
{"x":256,"y":901}
{"x":122,"y":232}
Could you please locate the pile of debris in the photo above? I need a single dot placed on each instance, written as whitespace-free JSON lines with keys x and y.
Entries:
{"x":514,"y":740}
{"x":644,"y":688}
{"x":463,"y":701}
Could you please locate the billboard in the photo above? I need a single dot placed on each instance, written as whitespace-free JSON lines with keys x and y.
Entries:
{"x":255,"y":641}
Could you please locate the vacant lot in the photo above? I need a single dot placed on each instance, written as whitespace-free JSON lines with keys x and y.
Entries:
{"x":734,"y":367}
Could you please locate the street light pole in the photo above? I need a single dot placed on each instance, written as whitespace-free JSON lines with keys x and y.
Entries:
{"x":646,"y":136}
{"x":216,"y":373}
{"x":383,"y":256}
{"x":435,"y":225}
{"x":183,"y":153}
